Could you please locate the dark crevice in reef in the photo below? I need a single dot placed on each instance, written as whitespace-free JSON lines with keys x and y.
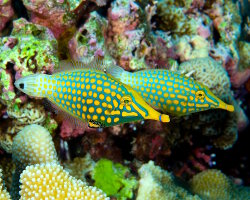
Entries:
{"x":20,"y":9}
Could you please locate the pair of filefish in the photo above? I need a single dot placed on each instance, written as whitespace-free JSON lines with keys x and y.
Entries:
{"x":106,"y":99}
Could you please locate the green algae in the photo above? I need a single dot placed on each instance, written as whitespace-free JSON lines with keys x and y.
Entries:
{"x":114,"y":179}
{"x":34,"y":50}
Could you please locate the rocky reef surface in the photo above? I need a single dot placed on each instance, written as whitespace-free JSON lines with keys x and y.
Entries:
{"x":204,"y":155}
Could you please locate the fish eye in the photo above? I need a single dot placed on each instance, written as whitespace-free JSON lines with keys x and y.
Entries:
{"x":21,"y":85}
{"x":126,"y":100}
{"x":200,"y":94}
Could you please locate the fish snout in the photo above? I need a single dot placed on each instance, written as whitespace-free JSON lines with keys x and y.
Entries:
{"x":164,"y":118}
{"x":225,"y":106}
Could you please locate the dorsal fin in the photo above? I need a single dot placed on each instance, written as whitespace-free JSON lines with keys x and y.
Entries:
{"x":95,"y":63}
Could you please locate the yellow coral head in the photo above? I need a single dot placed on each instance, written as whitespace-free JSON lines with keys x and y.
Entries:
{"x":32,"y":85}
{"x":209,"y":100}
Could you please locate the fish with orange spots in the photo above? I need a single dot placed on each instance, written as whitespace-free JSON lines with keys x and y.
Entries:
{"x":170,"y":91}
{"x":90,"y":95}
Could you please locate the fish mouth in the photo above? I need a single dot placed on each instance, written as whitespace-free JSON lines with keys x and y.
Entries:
{"x":225,"y":106}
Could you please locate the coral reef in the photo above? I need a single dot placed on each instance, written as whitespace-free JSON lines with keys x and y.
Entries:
{"x":191,"y":47}
{"x":88,"y":41}
{"x":6,"y":13}
{"x":123,"y":34}
{"x":213,"y":75}
{"x":33,"y":145}
{"x":114,"y":179}
{"x":8,"y":167}
{"x":213,"y":184}
{"x":173,"y":18}
{"x":204,"y":40}
{"x":62,"y":11}
{"x":30,"y":48}
{"x":155,"y":183}
{"x":51,"y":181}
{"x":4,"y":195}
{"x":79,"y":167}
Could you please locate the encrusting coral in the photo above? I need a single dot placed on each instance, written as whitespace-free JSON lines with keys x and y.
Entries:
{"x":172,"y":18}
{"x":88,"y":41}
{"x":29,"y":49}
{"x":52,"y":182}
{"x":4,"y":195}
{"x":6,"y":13}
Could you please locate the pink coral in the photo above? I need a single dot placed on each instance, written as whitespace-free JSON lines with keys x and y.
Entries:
{"x":54,"y":15}
{"x":6,"y":13}
{"x":204,"y":31}
{"x":237,"y":77}
{"x":68,"y":129}
{"x":122,"y":35}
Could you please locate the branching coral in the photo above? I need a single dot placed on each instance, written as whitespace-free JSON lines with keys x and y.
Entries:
{"x":4,"y":195}
{"x":114,"y":179}
{"x":52,"y":182}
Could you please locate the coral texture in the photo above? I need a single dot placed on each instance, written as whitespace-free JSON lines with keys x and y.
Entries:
{"x":123,"y":34}
{"x":30,"y":48}
{"x":6,"y":13}
{"x":52,"y":182}
{"x":155,"y":183}
{"x":89,"y":40}
{"x":213,"y":184}
{"x":80,"y":167}
{"x":8,"y":167}
{"x":33,"y":145}
{"x":172,"y":18}
{"x":4,"y":195}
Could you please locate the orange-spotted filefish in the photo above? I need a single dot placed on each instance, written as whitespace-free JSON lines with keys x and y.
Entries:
{"x":90,"y":95}
{"x":170,"y":91}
